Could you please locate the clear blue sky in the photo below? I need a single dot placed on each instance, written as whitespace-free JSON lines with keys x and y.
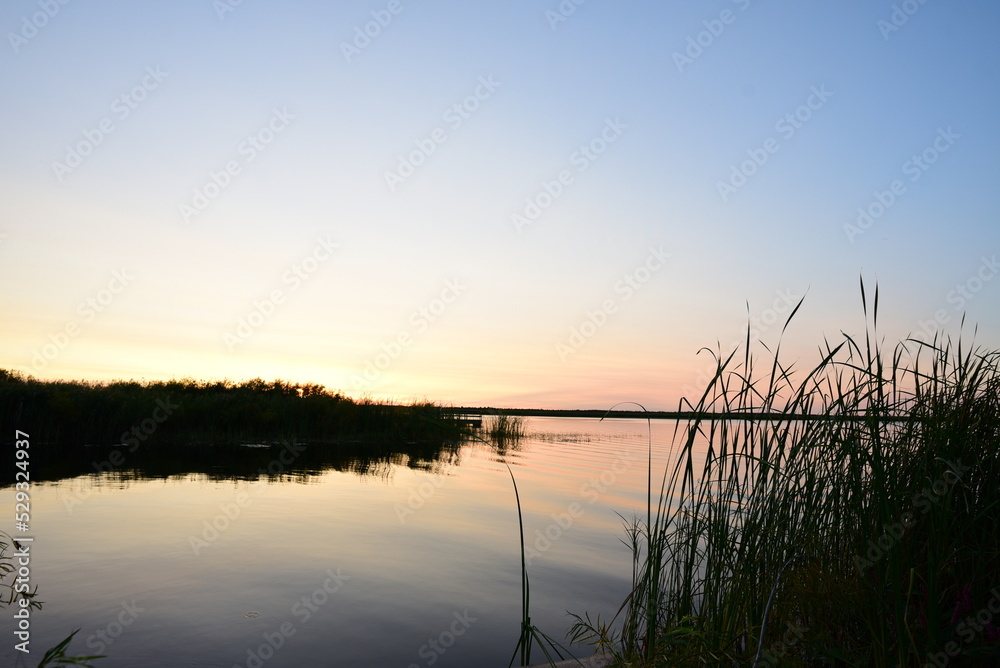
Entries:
{"x":431,"y":209}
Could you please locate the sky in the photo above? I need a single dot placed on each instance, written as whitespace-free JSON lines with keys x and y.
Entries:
{"x":524,"y":204}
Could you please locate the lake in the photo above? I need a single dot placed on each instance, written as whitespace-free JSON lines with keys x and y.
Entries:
{"x":349,"y":556}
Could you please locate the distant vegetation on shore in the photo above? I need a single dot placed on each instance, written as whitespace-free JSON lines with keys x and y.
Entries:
{"x":132,"y":412}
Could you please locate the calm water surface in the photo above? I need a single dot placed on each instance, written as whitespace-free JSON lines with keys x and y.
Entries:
{"x":393,"y":560}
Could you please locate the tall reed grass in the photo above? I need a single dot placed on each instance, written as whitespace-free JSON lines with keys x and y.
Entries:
{"x":503,"y":429}
{"x":866,"y":535}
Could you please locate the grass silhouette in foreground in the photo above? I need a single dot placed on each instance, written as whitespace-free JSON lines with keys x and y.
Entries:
{"x":824,"y":542}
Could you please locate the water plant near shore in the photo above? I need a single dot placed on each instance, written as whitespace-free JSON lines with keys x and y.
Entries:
{"x":866,"y":536}
{"x":504,"y":429}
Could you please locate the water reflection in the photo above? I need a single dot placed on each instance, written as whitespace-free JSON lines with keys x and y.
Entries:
{"x":288,"y":462}
{"x":197,"y":537}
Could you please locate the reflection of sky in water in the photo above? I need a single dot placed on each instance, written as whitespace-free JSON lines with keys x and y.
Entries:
{"x":404,"y":550}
